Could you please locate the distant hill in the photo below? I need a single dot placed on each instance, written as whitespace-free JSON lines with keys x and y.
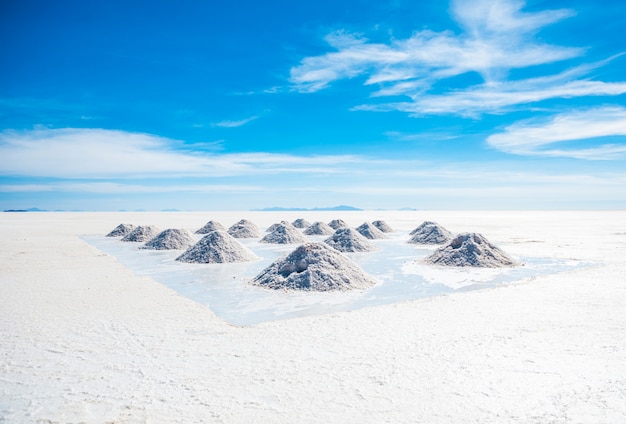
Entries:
{"x":25,"y":210}
{"x":334,"y":208}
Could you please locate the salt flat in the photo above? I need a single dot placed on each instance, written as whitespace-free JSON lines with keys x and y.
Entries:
{"x":84,"y":339}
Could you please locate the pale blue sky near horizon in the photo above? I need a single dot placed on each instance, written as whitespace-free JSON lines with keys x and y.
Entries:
{"x":193,"y":105}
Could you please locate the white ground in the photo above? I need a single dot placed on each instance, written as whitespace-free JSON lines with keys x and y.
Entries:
{"x":83,"y":339}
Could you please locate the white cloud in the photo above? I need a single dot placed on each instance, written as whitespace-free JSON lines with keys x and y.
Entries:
{"x":537,"y":138}
{"x":234,"y":124}
{"x":100,"y":153}
{"x":123,"y":188}
{"x":497,"y":38}
{"x":498,"y":97}
{"x":502,"y":17}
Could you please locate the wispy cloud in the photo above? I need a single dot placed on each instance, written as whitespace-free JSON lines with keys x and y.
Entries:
{"x":101,"y":153}
{"x":498,"y":36}
{"x":539,"y":138}
{"x":234,"y":124}
{"x":499,"y":97}
{"x":121,"y":188}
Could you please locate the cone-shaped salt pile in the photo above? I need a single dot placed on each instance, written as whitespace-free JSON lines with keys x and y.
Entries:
{"x":337,"y":223}
{"x":319,"y":229}
{"x":276,"y":225}
{"x":301,"y":223}
{"x":210,"y":227}
{"x":171,"y":239}
{"x":284,"y":234}
{"x":422,"y":225}
{"x":121,"y":230}
{"x":217,"y":247}
{"x":471,"y":249}
{"x":367,"y":230}
{"x":244,"y":229}
{"x":314,"y":267}
{"x":430,"y":233}
{"x":349,"y":240}
{"x":142,"y":233}
{"x":383,"y":226}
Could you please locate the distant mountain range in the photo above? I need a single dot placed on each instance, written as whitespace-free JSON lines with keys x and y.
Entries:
{"x":26,"y":210}
{"x":334,"y":208}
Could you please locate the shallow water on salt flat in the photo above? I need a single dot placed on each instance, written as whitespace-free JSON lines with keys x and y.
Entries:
{"x":223,"y":288}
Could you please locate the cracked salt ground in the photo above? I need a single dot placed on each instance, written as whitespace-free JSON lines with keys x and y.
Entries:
{"x":401,"y":276}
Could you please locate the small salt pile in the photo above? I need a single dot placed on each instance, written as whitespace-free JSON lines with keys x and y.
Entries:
{"x":217,"y":247}
{"x":470,"y":249}
{"x":244,"y":229}
{"x":210,"y":227}
{"x":430,"y":233}
{"x":121,"y":230}
{"x":142,"y":233}
{"x":383,"y":226}
{"x":422,"y":225}
{"x":170,"y":239}
{"x":314,"y":267}
{"x":319,"y":229}
{"x":337,"y":223}
{"x":276,"y":225}
{"x":367,"y":230}
{"x":284,"y":234}
{"x":349,"y":240}
{"x":301,"y":223}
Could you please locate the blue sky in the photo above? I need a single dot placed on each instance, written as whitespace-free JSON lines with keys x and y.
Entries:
{"x":199,"y":105}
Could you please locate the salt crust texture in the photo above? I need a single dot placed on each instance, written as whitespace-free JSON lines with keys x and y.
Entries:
{"x":170,"y":239}
{"x":470,"y":249}
{"x":244,"y":229}
{"x":367,"y":230}
{"x":430,"y":233}
{"x":121,"y":230}
{"x":284,"y":234}
{"x":142,"y":233}
{"x":319,"y":228}
{"x":217,"y":247}
{"x":337,"y":223}
{"x":210,"y":227}
{"x":301,"y":223}
{"x":314,"y":267}
{"x":349,"y":240}
{"x":383,"y":226}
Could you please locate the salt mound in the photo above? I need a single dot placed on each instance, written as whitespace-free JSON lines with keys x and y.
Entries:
{"x":319,"y":229}
{"x":121,"y":230}
{"x":142,"y":233}
{"x":217,"y":247}
{"x":383,"y":226}
{"x":171,"y":239}
{"x":430,"y":233}
{"x":210,"y":227}
{"x":470,"y":249}
{"x":284,"y":234}
{"x":314,"y":267}
{"x":301,"y":223}
{"x":367,"y":230}
{"x":337,"y":223}
{"x":244,"y":229}
{"x":349,"y":240}
{"x":276,"y":225}
{"x":422,"y":225}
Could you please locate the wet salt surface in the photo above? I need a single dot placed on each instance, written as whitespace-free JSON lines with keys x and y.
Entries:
{"x":223,"y":288}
